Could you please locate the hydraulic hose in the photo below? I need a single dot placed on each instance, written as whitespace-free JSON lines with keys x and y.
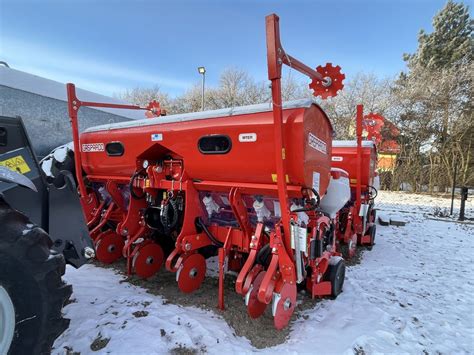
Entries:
{"x":373,"y":189}
{"x":167,"y":222}
{"x":132,"y":192}
{"x":314,"y":204}
{"x":213,"y":239}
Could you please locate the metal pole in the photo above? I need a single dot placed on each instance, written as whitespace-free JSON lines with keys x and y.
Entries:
{"x":359,"y":128}
{"x":454,"y":185}
{"x":202,"y":91}
{"x":464,"y":192}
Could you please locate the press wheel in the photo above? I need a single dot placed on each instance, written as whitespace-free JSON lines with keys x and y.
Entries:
{"x":255,"y":308}
{"x":191,"y":274}
{"x":108,"y":247}
{"x":284,"y":304}
{"x":148,"y":260}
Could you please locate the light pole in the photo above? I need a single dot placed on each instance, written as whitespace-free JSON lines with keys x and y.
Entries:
{"x":202,"y":71}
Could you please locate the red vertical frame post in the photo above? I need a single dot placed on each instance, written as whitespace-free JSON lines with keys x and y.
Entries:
{"x":359,"y":118}
{"x":73,"y":105}
{"x":274,"y":52}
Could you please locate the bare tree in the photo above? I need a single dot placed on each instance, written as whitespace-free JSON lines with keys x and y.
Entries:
{"x":142,"y":96}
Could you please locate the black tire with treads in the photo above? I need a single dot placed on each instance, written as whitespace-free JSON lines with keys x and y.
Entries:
{"x":336,"y":274}
{"x":31,"y":274}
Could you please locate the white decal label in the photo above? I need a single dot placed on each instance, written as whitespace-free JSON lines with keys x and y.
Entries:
{"x":93,"y":147}
{"x":316,"y":181}
{"x":156,"y":137}
{"x":336,"y":158}
{"x":316,"y":143}
{"x":301,"y":235}
{"x":276,"y":208}
{"x":247,"y":137}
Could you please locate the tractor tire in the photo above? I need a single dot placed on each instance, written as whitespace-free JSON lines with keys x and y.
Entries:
{"x":336,"y":274}
{"x":32,"y":293}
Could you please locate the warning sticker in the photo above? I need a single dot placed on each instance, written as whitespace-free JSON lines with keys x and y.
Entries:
{"x":17,"y":164}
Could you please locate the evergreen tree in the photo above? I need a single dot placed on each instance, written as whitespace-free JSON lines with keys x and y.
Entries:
{"x":435,"y":96}
{"x":450,"y":44}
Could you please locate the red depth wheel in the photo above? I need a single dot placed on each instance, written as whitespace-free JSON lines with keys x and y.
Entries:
{"x":192,"y":273}
{"x":108,"y":247}
{"x":283,"y":305}
{"x":333,"y":84}
{"x":148,"y":260}
{"x":255,"y":308}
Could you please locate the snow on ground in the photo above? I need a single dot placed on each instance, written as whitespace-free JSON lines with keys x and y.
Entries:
{"x":411,"y":294}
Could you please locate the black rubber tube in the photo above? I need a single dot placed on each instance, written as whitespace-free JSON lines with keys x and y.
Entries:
{"x":132,"y":192}
{"x":208,"y":233}
{"x":164,"y":216}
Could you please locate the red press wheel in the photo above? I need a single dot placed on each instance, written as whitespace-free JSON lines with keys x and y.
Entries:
{"x":284,"y":305}
{"x":192,"y":273}
{"x":108,"y":247}
{"x":255,"y":308}
{"x":148,"y":260}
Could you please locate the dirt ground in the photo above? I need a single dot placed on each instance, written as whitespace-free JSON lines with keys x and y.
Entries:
{"x":260,"y":332}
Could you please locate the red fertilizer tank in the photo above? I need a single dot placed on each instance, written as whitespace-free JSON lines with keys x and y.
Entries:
{"x":344,"y":156}
{"x":228,"y":145}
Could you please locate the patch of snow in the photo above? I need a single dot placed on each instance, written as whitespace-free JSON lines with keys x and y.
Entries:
{"x":60,"y":153}
{"x":411,"y":294}
{"x":106,"y":306}
{"x":46,"y":165}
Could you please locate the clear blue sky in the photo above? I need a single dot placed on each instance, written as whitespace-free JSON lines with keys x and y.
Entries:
{"x":108,"y":46}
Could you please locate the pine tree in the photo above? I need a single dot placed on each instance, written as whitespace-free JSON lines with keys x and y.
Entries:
{"x":450,"y":44}
{"x":436,"y":98}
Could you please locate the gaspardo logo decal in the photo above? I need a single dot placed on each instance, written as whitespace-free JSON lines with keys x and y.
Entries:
{"x":93,"y":147}
{"x":316,"y":143}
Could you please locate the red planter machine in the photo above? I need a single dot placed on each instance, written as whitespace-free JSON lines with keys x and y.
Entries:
{"x":256,"y":186}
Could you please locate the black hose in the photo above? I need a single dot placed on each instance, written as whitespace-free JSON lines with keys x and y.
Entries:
{"x":168,"y":223}
{"x":374,"y":189}
{"x":314,"y":204}
{"x":132,"y":192}
{"x":263,"y":255}
{"x":213,"y":239}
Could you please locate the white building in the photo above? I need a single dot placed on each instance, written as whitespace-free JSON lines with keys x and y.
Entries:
{"x":42,"y":104}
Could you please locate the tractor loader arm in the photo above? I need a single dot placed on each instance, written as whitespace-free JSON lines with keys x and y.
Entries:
{"x":55,"y":208}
